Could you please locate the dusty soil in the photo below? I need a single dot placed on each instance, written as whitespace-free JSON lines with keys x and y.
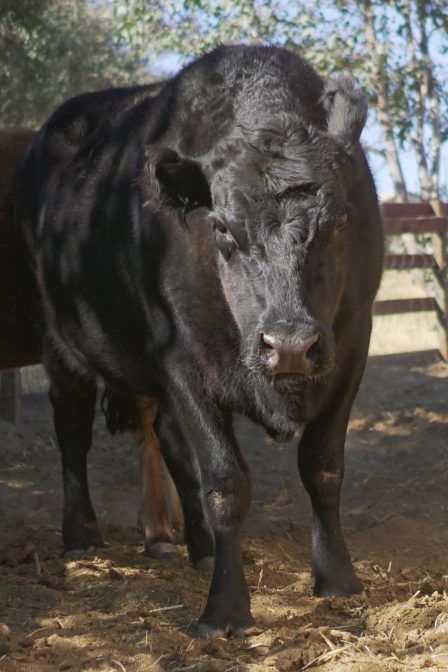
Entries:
{"x":113,"y":609}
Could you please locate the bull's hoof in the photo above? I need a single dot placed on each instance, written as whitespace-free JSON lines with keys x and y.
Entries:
{"x":81,"y":537}
{"x":206,"y":564}
{"x":162,"y":550}
{"x":233,"y":626}
{"x":338,"y":587}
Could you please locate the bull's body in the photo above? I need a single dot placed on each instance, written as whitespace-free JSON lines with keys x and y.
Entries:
{"x":125,"y":292}
{"x":159,"y":508}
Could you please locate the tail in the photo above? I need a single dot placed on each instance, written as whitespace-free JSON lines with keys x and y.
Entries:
{"x":121,"y":411}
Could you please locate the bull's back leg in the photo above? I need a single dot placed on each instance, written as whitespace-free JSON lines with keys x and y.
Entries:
{"x":153,"y":518}
{"x":73,"y":399}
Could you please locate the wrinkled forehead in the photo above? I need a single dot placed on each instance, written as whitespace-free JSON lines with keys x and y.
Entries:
{"x":292,"y":220}
{"x":257,"y":164}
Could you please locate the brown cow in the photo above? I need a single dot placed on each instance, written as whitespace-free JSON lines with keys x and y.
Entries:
{"x":16,"y":343}
{"x":160,"y":511}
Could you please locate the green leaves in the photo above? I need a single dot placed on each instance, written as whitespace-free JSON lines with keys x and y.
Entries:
{"x":50,"y":51}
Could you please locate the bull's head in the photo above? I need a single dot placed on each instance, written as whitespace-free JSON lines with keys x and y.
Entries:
{"x":278,"y":198}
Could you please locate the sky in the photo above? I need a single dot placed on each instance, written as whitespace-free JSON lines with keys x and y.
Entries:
{"x":381,"y":173}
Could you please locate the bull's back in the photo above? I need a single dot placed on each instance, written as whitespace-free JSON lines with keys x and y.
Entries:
{"x":81,"y":120}
{"x":69,"y":135}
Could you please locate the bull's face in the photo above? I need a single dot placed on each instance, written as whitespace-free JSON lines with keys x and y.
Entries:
{"x":281,"y":220}
{"x":277,"y":194}
{"x":282,"y":268}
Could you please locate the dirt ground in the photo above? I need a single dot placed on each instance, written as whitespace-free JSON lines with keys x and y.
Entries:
{"x":114,"y":609}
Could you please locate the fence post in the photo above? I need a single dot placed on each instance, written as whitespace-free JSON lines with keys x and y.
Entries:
{"x":441,"y":210}
{"x":10,"y":395}
{"x":444,"y":255}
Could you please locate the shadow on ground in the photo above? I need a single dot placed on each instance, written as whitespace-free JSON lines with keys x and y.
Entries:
{"x":115,"y":609}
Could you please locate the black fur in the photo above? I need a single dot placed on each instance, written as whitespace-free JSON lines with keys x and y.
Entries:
{"x":261,"y":304}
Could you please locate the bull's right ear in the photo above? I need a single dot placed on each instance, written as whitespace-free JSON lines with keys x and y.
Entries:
{"x":175,"y":182}
{"x":346,"y":106}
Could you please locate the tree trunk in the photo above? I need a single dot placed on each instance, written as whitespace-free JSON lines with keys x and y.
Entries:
{"x":392,"y":156}
{"x":430,"y":86}
{"x":420,"y":86}
{"x":382,"y":91}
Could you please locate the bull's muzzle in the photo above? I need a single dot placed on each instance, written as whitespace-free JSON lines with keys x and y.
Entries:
{"x":290,"y":355}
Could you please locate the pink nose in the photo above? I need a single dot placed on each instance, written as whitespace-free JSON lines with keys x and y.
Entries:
{"x":287,"y":355}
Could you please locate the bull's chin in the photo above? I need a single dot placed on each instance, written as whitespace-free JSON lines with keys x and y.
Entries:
{"x":285,"y":381}
{"x":294,"y":379}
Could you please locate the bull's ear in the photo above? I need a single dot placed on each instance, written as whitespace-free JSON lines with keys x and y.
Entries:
{"x":346,"y":105}
{"x":176,"y":182}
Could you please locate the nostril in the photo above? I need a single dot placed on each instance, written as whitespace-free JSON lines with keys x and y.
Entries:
{"x":268,"y":342}
{"x":312,"y":346}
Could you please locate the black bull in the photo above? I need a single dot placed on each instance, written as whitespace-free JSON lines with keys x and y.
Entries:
{"x":214,"y":242}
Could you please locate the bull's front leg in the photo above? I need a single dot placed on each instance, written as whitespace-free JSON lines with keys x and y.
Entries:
{"x":187,"y":483}
{"x":226,"y":497}
{"x":321,"y":466}
{"x":210,"y":449}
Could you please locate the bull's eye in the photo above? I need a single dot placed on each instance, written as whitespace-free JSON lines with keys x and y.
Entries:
{"x":220,"y":227}
{"x":225,"y":241}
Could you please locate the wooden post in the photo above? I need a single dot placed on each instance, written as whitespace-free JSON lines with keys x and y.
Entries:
{"x":440,"y":244}
{"x":10,"y":395}
{"x":444,"y":267}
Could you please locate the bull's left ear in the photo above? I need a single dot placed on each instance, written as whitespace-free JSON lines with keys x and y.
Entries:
{"x":346,"y":105}
{"x":176,"y":182}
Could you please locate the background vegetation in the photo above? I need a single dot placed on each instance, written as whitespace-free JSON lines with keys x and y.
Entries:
{"x":51,"y":50}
